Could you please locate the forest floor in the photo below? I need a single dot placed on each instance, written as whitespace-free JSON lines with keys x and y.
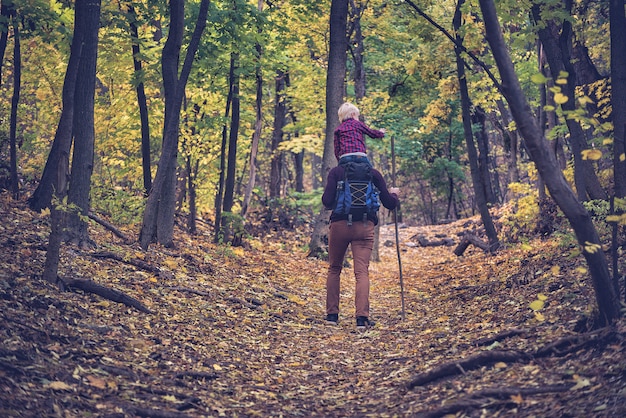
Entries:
{"x":239,"y":332}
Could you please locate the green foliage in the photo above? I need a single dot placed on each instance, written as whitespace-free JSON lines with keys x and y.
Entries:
{"x":120,"y":205}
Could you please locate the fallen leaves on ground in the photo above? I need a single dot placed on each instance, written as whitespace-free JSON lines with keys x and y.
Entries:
{"x":240,"y":332}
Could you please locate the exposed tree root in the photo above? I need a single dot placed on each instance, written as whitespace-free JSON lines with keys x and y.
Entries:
{"x":560,"y":347}
{"x":89,"y":286}
{"x":461,"y":366}
{"x":484,"y":398}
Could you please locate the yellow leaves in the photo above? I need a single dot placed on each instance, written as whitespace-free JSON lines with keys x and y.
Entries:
{"x":296,"y":299}
{"x":560,"y":98}
{"x":591,"y":154}
{"x":581,"y":383}
{"x":96,"y":381}
{"x":536,"y":305}
{"x":217,"y":367}
{"x":591,"y":247}
{"x":171,"y":263}
{"x":58,"y":385}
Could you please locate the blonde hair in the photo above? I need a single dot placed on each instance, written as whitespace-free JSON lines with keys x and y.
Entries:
{"x":347,"y":111}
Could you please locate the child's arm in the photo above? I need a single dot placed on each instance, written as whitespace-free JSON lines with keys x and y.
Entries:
{"x":372,"y":133}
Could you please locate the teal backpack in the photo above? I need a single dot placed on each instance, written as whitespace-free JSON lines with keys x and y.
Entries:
{"x":356,"y":195}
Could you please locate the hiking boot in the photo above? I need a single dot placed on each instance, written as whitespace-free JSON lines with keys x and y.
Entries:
{"x":363,"y":322}
{"x":332,"y":319}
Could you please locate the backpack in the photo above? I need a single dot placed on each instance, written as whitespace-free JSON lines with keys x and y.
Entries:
{"x":356,"y":195}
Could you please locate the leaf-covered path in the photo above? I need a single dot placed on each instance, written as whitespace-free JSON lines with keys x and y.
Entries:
{"x":239,"y":332}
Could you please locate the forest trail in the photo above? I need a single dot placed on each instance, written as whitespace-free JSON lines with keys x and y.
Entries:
{"x":239,"y":332}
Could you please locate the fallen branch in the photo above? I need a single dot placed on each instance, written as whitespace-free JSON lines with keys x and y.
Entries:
{"x":89,"y":286}
{"x":111,"y":228}
{"x":461,"y":366}
{"x":470,"y":239}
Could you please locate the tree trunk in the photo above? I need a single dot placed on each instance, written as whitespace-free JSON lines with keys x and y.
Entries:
{"x":557,"y":49}
{"x":479,"y":185}
{"x":158,"y":219}
{"x":539,"y":150}
{"x":6,"y":10}
{"x":83,"y":128}
{"x":42,"y":196}
{"x":618,"y":93}
{"x":258,"y":125}
{"x":15,"y":100}
{"x":141,"y":102}
{"x":482,"y":140}
{"x":220,"y":186}
{"x":229,"y":185}
{"x":334,"y":96}
{"x":280,"y":115}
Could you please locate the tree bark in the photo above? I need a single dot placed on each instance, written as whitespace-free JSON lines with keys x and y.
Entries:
{"x":334,"y":96}
{"x":539,"y":150}
{"x":158,"y":219}
{"x":479,"y":184}
{"x":280,"y":115}
{"x":15,"y":100}
{"x":42,"y":196}
{"x":558,"y":53}
{"x":141,"y":102}
{"x":83,"y":128}
{"x":618,"y":93}
{"x":229,"y":185}
{"x":258,"y":124}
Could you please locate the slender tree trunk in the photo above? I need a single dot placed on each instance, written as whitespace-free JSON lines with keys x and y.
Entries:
{"x":258,"y":124}
{"x":142,"y":103}
{"x":280,"y":116}
{"x":334,"y":96}
{"x":618,"y":93}
{"x":83,"y":128}
{"x":158,"y":219}
{"x":479,"y":186}
{"x":482,"y":140}
{"x":220,"y":186}
{"x":539,"y":150}
{"x":17,"y":78}
{"x":231,"y":170}
{"x":6,"y":11}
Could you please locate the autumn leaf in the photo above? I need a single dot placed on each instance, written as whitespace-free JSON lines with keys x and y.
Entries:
{"x":58,"y":385}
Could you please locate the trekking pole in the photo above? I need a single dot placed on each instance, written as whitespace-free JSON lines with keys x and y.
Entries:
{"x":395,"y":218}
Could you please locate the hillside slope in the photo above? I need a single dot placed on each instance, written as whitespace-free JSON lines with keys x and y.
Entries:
{"x":239,"y":332}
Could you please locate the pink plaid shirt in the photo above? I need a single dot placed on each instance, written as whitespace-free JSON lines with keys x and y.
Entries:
{"x":349,"y":137}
